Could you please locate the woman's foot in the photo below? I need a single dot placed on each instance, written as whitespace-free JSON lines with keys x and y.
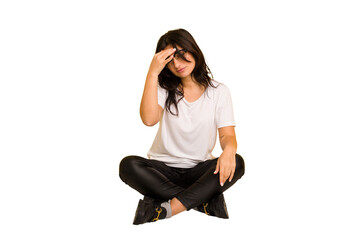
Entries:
{"x":148,"y":211}
{"x":214,"y":207}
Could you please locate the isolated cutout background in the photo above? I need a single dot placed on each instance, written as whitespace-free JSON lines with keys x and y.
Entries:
{"x":72,"y":75}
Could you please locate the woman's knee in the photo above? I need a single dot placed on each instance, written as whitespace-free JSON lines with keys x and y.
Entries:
{"x":240,"y":166}
{"x":127,"y":166}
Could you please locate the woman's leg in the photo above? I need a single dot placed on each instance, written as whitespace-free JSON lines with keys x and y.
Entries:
{"x":155,"y":180}
{"x":207,"y":184}
{"x":149,"y":177}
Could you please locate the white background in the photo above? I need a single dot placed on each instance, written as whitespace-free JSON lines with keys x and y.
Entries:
{"x":72,"y":75}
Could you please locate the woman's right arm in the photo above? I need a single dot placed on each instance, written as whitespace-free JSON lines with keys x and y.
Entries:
{"x":150,"y":110}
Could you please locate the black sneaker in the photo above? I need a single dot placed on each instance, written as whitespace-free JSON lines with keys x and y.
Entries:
{"x":148,"y":212}
{"x":214,"y":207}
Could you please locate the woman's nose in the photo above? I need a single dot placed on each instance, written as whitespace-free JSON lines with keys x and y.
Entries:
{"x":176,"y":62}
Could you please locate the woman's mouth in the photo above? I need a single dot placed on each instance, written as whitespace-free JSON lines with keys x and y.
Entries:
{"x":180,"y":70}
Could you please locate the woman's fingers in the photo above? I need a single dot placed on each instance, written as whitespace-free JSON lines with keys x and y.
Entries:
{"x":169,"y":58}
{"x":160,"y":60}
{"x":165,"y":54}
{"x":226,"y":173}
{"x":222,"y":175}
{"x":231,"y":175}
{"x":169,"y":55}
{"x":226,"y":170}
{"x":217,"y":167}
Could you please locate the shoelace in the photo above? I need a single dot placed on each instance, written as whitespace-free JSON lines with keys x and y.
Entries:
{"x":205,"y":206}
{"x":158,"y":210}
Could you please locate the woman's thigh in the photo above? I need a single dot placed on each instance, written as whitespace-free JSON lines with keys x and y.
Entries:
{"x":149,"y":177}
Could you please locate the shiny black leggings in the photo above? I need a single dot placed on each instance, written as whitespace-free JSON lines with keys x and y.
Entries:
{"x":191,"y":186}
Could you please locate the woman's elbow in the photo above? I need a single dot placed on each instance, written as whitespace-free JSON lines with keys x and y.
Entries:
{"x":149,"y":118}
{"x":149,"y":122}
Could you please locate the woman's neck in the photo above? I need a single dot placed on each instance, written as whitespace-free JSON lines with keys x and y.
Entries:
{"x":189,"y":83}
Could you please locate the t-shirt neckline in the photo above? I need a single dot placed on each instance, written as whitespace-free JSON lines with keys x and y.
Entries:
{"x":191,"y":103}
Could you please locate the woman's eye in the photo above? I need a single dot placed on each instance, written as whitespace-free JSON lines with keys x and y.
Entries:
{"x":179,"y":54}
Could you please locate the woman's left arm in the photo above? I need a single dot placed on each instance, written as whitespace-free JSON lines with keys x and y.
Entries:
{"x":226,"y":163}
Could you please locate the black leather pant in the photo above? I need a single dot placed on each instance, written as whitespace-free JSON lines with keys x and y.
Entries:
{"x":191,"y":186}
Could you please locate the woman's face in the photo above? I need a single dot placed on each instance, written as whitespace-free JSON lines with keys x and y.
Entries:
{"x":180,"y":67}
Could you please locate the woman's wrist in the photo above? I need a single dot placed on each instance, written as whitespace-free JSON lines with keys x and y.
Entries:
{"x":230,"y":150}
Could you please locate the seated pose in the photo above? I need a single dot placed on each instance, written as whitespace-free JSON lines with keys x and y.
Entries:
{"x":180,"y":172}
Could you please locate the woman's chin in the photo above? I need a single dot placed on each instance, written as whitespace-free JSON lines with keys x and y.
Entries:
{"x":182,"y":74}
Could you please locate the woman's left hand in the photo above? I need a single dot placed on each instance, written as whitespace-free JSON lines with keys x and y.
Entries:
{"x":226,"y":165}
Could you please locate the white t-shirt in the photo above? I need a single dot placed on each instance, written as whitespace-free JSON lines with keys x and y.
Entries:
{"x":185,"y":140}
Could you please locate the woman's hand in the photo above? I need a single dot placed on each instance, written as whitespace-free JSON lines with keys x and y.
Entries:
{"x":160,"y":60}
{"x":226,"y":164}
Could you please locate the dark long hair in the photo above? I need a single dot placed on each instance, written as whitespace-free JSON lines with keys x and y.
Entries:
{"x":168,"y":80}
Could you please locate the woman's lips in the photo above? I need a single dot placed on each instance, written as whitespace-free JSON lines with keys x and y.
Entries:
{"x":180,"y":70}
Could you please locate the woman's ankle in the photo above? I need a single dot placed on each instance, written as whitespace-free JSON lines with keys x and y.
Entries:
{"x":176,"y":206}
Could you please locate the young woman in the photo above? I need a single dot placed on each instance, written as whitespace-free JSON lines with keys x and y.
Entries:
{"x":180,"y":172}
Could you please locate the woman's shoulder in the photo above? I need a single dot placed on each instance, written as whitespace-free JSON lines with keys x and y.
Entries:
{"x":218,"y":87}
{"x":217,"y":90}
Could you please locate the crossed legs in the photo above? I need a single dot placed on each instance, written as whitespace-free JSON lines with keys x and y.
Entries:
{"x":186,"y":188}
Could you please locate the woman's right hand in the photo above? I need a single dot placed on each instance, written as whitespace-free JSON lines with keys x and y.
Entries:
{"x":160,"y":60}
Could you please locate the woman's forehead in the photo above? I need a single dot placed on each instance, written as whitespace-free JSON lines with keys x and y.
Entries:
{"x":172,"y":46}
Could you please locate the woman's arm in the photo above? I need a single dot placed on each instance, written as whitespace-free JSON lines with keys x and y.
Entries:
{"x":150,"y":111}
{"x":226,"y":163}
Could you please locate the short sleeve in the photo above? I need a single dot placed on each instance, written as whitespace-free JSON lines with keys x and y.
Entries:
{"x":161,"y":96}
{"x":224,"y":108}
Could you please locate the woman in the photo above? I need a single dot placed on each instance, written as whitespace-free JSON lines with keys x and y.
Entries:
{"x":180,"y":172}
